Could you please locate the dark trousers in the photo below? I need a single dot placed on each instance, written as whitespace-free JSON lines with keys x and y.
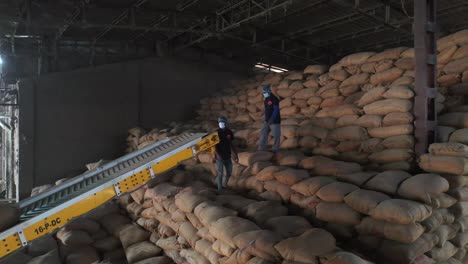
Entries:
{"x":220,"y":165}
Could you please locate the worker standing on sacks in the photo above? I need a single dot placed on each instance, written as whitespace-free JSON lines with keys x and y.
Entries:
{"x":222,"y":155}
{"x":272,"y":121}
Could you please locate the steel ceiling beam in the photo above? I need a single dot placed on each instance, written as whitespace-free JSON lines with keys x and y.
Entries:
{"x":87,"y":25}
{"x":79,"y":10}
{"x":163,"y":18}
{"x":373,"y":30}
{"x":124,"y":15}
{"x":342,"y":20}
{"x":349,"y":17}
{"x":385,"y":21}
{"x":279,"y":51}
{"x":238,"y":13}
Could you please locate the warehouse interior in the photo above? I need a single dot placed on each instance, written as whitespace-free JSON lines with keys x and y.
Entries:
{"x":109,"y":112}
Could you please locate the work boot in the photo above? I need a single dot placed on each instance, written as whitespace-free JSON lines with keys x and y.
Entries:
{"x":275,"y":156}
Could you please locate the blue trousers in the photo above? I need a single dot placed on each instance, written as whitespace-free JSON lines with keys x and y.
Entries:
{"x":275,"y":129}
{"x":220,"y":165}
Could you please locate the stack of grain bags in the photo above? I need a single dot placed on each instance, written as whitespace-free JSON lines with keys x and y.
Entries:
{"x":393,"y":209}
{"x":197,"y":225}
{"x":453,"y":70}
{"x":85,"y":240}
{"x":358,"y":111}
{"x":453,"y":83}
{"x":451,"y":160}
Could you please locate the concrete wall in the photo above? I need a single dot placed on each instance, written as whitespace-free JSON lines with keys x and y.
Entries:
{"x":73,"y":118}
{"x":172,"y":90}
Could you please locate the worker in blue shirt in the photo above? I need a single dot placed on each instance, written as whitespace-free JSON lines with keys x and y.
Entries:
{"x":272,"y":120}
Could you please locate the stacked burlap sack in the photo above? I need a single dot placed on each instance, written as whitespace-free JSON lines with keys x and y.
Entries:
{"x":92,"y":238}
{"x":359,"y":110}
{"x":451,"y":160}
{"x":195,"y":224}
{"x":453,"y":69}
{"x":393,"y":208}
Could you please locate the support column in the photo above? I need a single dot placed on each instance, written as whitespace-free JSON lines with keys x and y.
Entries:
{"x":426,"y":73}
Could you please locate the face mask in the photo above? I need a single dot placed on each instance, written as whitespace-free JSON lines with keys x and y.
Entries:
{"x":222,"y":125}
{"x":266,"y":95}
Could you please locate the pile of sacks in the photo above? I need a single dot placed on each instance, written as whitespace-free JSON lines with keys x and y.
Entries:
{"x":453,"y":70}
{"x":451,"y":160}
{"x":357,"y":110}
{"x":92,"y":238}
{"x":392,"y":212}
{"x":195,"y":224}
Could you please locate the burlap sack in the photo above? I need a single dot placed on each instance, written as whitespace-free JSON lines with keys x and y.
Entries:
{"x":74,"y":238}
{"x":209,"y":212}
{"x":267,"y":174}
{"x":397,"y":118}
{"x":423,"y":187}
{"x":386,"y":76}
{"x":444,"y":164}
{"x":386,"y":106}
{"x":357,"y":178}
{"x":291,"y":176}
{"x":259,"y":243}
{"x":406,"y":253}
{"x":387,"y":181}
{"x":343,"y":258}
{"x":205,"y":248}
{"x":142,"y":250}
{"x":338,"y":213}
{"x":356,"y":58}
{"x":193,"y":257}
{"x":399,"y":92}
{"x":348,"y":133}
{"x":225,"y":229}
{"x":397,"y":232}
{"x":222,"y":248}
{"x":260,"y":212}
{"x":401,"y":211}
{"x":388,"y":54}
{"x":305,"y":248}
{"x":369,"y":121}
{"x":288,"y":226}
{"x":459,"y":120}
{"x":372,"y":95}
{"x":390,"y":131}
{"x":186,"y":201}
{"x":364,"y":201}
{"x":310,"y":186}
{"x":335,"y":191}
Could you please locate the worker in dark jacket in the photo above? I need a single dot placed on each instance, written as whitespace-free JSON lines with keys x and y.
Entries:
{"x":272,"y":120}
{"x":223,"y":151}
